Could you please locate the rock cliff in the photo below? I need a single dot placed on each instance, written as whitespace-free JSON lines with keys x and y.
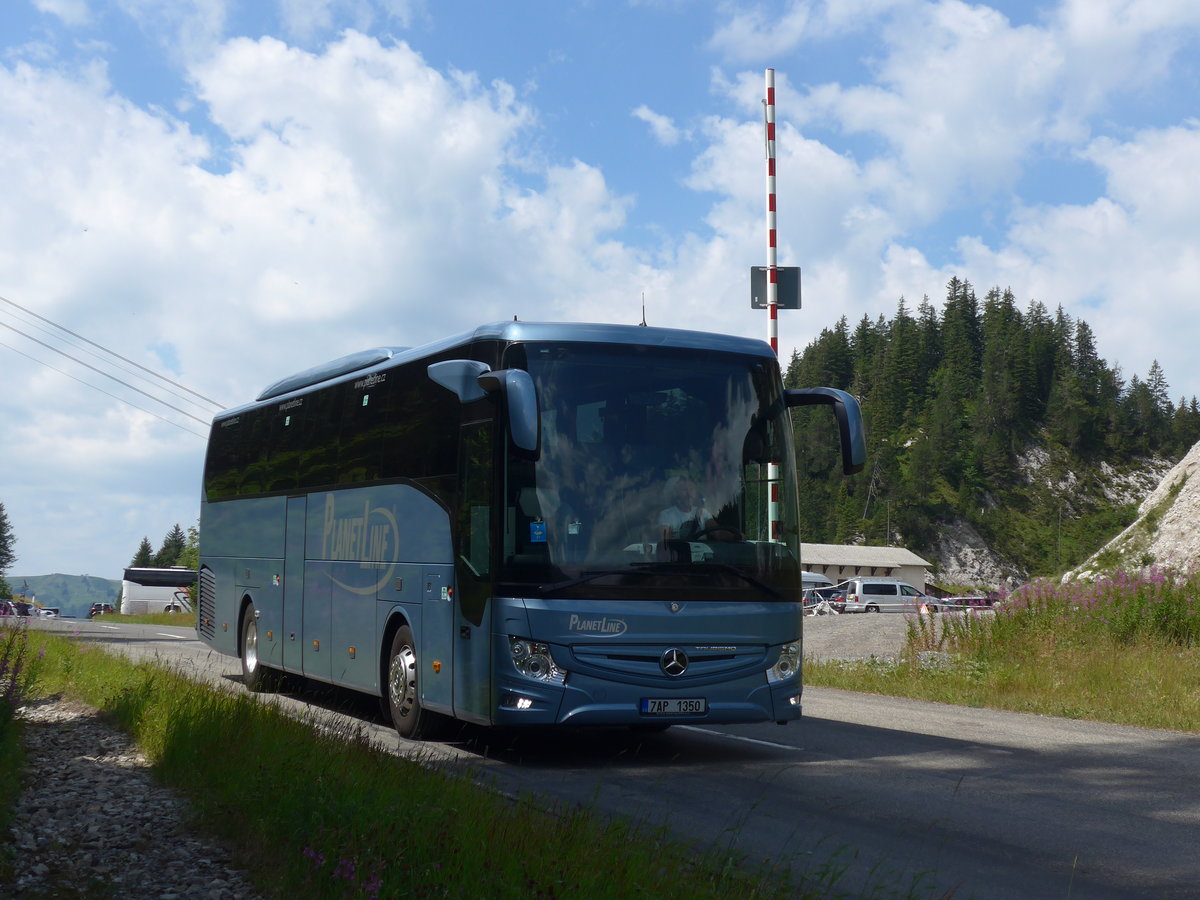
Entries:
{"x":1166,"y":533}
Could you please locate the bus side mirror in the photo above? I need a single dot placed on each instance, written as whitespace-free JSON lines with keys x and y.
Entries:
{"x":520,"y":399}
{"x":849,"y":420}
{"x":460,"y":376}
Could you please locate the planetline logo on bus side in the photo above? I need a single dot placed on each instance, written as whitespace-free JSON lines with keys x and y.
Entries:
{"x":364,"y":537}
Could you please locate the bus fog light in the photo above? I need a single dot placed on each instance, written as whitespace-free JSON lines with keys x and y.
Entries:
{"x":532,"y":659}
{"x":788,"y":664}
{"x":516,"y":701}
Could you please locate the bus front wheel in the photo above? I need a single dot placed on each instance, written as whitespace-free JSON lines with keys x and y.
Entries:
{"x":410,"y":719}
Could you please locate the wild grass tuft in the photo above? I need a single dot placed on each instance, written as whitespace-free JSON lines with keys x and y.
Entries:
{"x":18,"y":672}
{"x":1123,"y":649}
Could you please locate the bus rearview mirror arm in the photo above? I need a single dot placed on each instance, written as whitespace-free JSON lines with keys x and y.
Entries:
{"x":849,"y":420}
{"x":460,"y":376}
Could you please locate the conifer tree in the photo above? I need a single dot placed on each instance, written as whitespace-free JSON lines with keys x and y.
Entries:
{"x":172,"y":546}
{"x":7,"y":541}
{"x":144,"y":556}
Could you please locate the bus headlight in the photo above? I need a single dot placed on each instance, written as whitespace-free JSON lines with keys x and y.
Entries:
{"x":532,"y":659}
{"x":788,"y":664}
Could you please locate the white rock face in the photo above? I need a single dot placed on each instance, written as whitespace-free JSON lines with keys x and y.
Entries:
{"x":1167,"y":531}
{"x":963,"y":558}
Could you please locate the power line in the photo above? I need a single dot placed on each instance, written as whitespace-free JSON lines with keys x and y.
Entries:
{"x":106,"y":375}
{"x":215,"y":403}
{"x":101,"y":390}
{"x":58,"y":337}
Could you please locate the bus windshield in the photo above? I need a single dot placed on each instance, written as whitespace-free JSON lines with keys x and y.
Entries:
{"x":652,"y":475}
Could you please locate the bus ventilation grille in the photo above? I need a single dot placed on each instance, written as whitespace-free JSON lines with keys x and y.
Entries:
{"x":208,"y":602}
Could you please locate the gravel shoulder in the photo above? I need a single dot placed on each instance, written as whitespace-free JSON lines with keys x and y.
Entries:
{"x":854,"y":636}
{"x":93,"y":822}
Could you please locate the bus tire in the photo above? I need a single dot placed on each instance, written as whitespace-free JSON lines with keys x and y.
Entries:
{"x":403,"y":697}
{"x":255,"y":675}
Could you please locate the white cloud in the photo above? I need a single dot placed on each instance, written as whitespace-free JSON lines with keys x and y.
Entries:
{"x":366,"y":200}
{"x":1128,"y":263}
{"x":759,"y":32}
{"x":71,"y":12}
{"x":187,"y":29}
{"x":352,"y":195}
{"x":661,"y":126}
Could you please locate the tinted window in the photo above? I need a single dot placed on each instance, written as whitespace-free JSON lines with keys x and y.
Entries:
{"x":879,"y":589}
{"x":393,"y":424}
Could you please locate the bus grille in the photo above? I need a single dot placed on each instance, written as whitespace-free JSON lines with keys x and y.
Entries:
{"x":644,"y":661}
{"x":208,"y":603}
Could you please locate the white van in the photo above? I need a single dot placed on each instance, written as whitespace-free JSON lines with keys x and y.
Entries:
{"x":814,"y":580}
{"x":886,"y":595}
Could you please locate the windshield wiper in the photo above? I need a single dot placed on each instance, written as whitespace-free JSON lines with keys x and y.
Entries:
{"x":586,"y":577}
{"x":654,"y":568}
{"x":722,"y":567}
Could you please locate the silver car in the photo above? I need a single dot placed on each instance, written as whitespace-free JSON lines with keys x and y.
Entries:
{"x":887,"y":595}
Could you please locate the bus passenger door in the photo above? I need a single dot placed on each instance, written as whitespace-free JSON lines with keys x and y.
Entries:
{"x":285,"y":649}
{"x":473,"y":568}
{"x":436,"y":676}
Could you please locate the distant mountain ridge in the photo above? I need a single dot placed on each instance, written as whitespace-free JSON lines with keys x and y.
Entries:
{"x":72,"y":595}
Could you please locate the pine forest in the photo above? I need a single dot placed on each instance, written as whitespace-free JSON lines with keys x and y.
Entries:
{"x":1006,"y":419}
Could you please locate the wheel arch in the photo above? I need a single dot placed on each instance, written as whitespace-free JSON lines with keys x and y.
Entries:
{"x":397,"y":619}
{"x":244,"y":606}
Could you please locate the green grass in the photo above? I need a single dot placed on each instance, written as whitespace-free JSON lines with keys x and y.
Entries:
{"x":18,"y":670}
{"x":183,"y":620}
{"x":1123,"y":649}
{"x":323,"y":813}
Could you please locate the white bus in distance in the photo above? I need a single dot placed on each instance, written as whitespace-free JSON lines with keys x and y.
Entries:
{"x":148,"y":590}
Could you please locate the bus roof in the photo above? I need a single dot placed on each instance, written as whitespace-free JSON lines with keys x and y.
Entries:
{"x":366,"y":362}
{"x":174,"y":576}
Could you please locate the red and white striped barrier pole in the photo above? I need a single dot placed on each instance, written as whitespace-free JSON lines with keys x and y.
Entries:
{"x":772,"y":288}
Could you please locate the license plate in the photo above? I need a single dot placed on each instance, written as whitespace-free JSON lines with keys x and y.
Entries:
{"x":674,"y":706}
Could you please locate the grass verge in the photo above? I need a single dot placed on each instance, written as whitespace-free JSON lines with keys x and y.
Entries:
{"x":323,"y":813}
{"x":1124,"y":649}
{"x":17,"y":673}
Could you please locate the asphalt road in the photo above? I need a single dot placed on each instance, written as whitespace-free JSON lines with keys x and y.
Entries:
{"x":950,"y":801}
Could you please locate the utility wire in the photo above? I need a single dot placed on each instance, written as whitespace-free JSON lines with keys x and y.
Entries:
{"x":215,"y":403}
{"x":101,"y":390}
{"x":106,"y":374}
{"x":53,"y":335}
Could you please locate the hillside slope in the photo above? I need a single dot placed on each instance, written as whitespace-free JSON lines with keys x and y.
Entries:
{"x":71,"y":594}
{"x":1165,"y":533}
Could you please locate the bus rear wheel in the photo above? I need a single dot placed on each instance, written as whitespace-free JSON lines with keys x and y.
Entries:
{"x":255,"y":675}
{"x":409,"y":718}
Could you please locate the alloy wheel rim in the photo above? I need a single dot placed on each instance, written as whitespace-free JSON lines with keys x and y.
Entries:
{"x":402,"y":681}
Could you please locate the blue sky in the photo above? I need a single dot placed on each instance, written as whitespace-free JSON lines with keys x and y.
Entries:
{"x":231,"y":191}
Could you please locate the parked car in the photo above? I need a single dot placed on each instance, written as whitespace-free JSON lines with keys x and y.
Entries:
{"x":100,"y":609}
{"x":23,"y":609}
{"x":887,"y":595}
{"x":7,"y":609}
{"x":834,"y":594}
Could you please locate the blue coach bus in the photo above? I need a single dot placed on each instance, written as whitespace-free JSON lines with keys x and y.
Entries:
{"x":529,"y":523}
